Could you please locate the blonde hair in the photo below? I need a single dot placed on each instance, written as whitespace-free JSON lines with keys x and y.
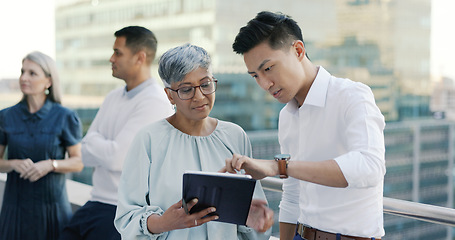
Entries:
{"x":50,"y":70}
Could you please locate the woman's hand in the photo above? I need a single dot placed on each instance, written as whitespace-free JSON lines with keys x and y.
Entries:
{"x":37,"y":170}
{"x":176,"y":218}
{"x":260,"y":217}
{"x":21,"y":165}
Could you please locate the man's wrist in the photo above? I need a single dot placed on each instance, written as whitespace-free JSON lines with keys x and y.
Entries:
{"x":282,"y":161}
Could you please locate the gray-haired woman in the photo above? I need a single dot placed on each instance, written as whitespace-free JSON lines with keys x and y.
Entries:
{"x":151,"y":183}
{"x":38,"y":132}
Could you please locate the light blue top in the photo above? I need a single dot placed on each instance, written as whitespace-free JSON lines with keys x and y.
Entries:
{"x":153,"y":170}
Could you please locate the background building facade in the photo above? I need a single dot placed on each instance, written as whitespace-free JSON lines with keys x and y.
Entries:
{"x":382,"y":43}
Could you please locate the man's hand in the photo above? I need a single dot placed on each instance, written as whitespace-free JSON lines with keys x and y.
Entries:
{"x":258,"y":169}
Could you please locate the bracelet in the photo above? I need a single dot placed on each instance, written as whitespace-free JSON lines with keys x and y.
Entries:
{"x":283,"y":162}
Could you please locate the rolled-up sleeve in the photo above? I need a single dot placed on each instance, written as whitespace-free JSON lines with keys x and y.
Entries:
{"x":364,"y":165}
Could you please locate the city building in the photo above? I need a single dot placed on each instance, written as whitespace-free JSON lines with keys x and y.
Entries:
{"x":443,"y":99}
{"x":10,"y":93}
{"x":419,"y":160}
{"x":384,"y":44}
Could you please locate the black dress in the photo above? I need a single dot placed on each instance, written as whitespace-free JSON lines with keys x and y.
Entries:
{"x":36,"y":210}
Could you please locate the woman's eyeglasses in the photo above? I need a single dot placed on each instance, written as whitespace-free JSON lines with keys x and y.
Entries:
{"x":186,"y":93}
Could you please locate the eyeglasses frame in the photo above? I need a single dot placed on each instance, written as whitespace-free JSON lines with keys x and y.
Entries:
{"x":194,"y":93}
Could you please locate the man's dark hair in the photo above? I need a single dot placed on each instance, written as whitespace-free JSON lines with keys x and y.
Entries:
{"x":276,"y":28}
{"x":139,"y":38}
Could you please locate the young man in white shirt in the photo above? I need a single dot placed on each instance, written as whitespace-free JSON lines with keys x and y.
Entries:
{"x":123,"y":113}
{"x":331,"y":131}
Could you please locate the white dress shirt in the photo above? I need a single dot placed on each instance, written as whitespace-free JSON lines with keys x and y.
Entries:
{"x":118,"y":120}
{"x":338,"y":120}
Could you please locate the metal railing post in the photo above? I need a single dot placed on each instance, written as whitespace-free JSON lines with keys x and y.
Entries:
{"x":450,"y":172}
{"x":416,"y":164}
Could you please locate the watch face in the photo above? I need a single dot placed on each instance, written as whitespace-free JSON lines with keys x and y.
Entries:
{"x":282,"y":156}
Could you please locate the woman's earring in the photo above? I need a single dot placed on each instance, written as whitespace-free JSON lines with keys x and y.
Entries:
{"x":174,"y":107}
{"x":46,"y":91}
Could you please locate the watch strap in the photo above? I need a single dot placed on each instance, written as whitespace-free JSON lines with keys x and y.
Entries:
{"x":283,"y":161}
{"x":282,"y":168}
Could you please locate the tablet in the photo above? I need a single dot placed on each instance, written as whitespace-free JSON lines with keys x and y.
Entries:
{"x":230,"y":194}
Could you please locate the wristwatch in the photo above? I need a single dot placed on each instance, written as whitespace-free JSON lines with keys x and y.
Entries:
{"x":54,"y":164}
{"x":283,"y":161}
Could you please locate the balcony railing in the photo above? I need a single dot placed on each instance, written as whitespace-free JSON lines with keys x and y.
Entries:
{"x":79,"y":193}
{"x":402,"y":208}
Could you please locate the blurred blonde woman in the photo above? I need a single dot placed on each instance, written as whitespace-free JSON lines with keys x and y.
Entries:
{"x":38,"y":132}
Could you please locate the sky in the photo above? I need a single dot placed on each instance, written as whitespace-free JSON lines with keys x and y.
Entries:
{"x":25,"y":26}
{"x":443,"y":38}
{"x":28,"y":25}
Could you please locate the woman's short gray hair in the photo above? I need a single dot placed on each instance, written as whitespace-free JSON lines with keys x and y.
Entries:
{"x":177,"y":62}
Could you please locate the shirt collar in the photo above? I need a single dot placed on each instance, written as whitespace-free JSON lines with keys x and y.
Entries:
{"x":318,"y":91}
{"x":44,"y":110}
{"x":133,"y":92}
